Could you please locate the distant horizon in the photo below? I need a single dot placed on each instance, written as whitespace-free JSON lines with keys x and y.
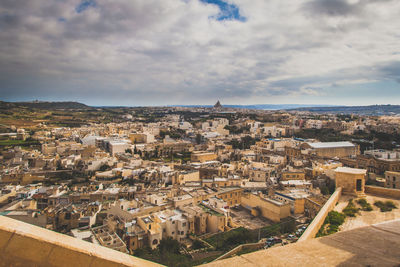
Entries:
{"x":199,"y":105}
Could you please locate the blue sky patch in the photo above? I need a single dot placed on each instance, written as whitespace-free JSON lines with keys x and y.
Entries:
{"x":84,"y":5}
{"x":227,"y":11}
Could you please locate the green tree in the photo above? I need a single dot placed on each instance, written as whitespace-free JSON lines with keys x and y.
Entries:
{"x":198,"y":138}
{"x":104,"y":167}
{"x":197,"y":244}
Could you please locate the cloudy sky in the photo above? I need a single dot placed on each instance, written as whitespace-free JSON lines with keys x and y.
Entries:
{"x":162,"y":52}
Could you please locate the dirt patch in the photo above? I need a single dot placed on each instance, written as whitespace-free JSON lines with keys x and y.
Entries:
{"x":242,"y":217}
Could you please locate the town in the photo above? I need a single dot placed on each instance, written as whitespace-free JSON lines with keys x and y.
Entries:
{"x":184,"y":186}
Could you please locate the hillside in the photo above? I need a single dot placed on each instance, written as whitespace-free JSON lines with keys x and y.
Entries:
{"x":360,"y":110}
{"x":44,"y":105}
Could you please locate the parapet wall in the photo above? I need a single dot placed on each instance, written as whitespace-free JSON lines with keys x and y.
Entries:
{"x":4,"y":198}
{"x":382,"y":191}
{"x":240,"y":248}
{"x":23,"y":244}
{"x":316,"y":224}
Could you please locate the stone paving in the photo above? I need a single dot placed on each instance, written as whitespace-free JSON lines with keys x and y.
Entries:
{"x":374,"y":245}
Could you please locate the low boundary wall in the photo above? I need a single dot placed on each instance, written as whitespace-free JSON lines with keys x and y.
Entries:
{"x":382,"y":191}
{"x":240,"y":248}
{"x":316,"y":224}
{"x":23,"y":244}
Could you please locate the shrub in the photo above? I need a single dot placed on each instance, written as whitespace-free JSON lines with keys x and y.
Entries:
{"x":197,"y":244}
{"x":365,"y":206}
{"x":335,"y":218}
{"x":350,"y":210}
{"x":390,"y":204}
{"x":331,"y":224}
{"x":385,"y":206}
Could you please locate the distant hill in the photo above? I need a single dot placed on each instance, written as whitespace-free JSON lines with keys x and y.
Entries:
{"x":259,"y":107}
{"x":44,"y":105}
{"x":360,"y":110}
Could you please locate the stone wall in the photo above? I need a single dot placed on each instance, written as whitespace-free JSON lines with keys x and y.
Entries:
{"x":240,"y":248}
{"x":346,"y":178}
{"x":23,"y":244}
{"x":316,"y":224}
{"x":382,"y":191}
{"x":5,"y":199}
{"x":269,"y":209}
{"x":312,"y":207}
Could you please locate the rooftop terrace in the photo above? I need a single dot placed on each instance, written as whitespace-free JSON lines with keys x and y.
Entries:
{"x":375,"y":245}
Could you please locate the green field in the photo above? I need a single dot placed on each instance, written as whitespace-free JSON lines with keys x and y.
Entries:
{"x":18,"y":142}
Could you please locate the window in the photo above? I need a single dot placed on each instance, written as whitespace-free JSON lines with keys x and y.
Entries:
{"x":184,"y":224}
{"x":149,"y":226}
{"x":155,"y":242}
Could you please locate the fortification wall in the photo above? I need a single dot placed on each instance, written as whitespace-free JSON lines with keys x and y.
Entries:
{"x":316,"y":224}
{"x":23,"y":244}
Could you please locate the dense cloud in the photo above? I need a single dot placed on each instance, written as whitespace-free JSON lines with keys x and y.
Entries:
{"x":191,"y":51}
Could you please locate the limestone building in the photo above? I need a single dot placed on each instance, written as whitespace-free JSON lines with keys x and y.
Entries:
{"x":392,"y":179}
{"x":351,"y":180}
{"x":332,"y":149}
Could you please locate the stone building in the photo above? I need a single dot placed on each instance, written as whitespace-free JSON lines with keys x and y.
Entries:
{"x":332,"y":149}
{"x":351,"y":180}
{"x":392,"y":179}
{"x":261,"y":205}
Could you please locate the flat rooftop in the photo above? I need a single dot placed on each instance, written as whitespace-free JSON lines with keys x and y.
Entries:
{"x":350,"y":170}
{"x":331,"y":144}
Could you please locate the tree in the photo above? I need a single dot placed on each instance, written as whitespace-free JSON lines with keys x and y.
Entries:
{"x":104,"y":167}
{"x":198,"y":138}
{"x":59,"y":167}
{"x":197,"y":244}
{"x":169,"y":245}
{"x":324,"y":190}
{"x":128,"y":150}
{"x":288,"y":225}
